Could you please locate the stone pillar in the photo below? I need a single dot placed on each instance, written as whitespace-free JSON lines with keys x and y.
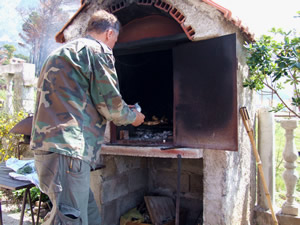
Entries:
{"x":9,"y":107}
{"x":20,"y":87}
{"x":214,"y":169}
{"x":28,"y":83}
{"x":266,"y":145}
{"x":290,"y":175}
{"x":17,"y":92}
{"x":227,"y":186}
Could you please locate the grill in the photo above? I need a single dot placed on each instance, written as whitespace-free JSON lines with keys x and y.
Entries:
{"x":187,"y":92}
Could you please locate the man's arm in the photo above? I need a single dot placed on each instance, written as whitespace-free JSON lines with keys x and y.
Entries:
{"x":106,"y":95}
{"x":139,"y":118}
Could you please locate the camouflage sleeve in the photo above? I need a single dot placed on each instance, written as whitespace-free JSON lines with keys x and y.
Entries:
{"x":105,"y":91}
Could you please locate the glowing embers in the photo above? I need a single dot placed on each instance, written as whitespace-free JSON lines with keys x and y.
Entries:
{"x":154,"y":131}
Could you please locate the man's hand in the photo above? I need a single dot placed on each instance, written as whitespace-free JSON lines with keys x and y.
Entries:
{"x":139,"y":118}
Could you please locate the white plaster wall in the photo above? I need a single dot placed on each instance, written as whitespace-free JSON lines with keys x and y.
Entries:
{"x":206,"y":20}
{"x":78,"y":27}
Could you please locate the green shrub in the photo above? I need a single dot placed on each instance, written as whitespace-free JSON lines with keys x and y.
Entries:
{"x":9,"y":141}
{"x":3,"y":94}
{"x":8,"y":148}
{"x":35,"y":194}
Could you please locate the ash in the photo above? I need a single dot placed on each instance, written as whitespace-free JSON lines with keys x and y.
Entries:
{"x":150,"y":135}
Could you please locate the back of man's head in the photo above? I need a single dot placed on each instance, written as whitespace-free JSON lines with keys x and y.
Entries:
{"x":101,"y":21}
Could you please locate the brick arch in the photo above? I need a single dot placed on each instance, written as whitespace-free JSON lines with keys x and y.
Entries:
{"x":152,"y":25}
{"x":149,"y":27}
{"x":164,"y":7}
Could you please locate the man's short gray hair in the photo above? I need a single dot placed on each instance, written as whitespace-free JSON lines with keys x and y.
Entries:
{"x":101,"y":21}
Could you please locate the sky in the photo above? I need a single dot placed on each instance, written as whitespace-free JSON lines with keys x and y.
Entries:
{"x":261,"y":15}
{"x":10,"y":20}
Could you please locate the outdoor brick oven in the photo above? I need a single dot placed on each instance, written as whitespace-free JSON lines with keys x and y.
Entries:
{"x":183,"y":62}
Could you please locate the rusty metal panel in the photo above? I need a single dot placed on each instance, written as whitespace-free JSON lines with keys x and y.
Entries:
{"x":23,"y":127}
{"x":205,"y":94}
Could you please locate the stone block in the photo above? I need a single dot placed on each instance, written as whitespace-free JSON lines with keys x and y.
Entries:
{"x":193,"y":209}
{"x":262,"y":216}
{"x":116,"y":165}
{"x":168,"y":180}
{"x":192,"y":166}
{"x":196,"y":184}
{"x":125,"y":163}
{"x":110,"y":169}
{"x":114,"y":188}
{"x":162,"y":164}
{"x":290,"y":209}
{"x":137,"y":179}
{"x":188,"y":166}
{"x":110,"y":213}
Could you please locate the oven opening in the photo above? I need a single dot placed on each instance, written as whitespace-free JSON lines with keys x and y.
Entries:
{"x":147,"y":79}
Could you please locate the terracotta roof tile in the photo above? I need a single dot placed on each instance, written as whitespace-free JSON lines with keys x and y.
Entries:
{"x":228,"y":16}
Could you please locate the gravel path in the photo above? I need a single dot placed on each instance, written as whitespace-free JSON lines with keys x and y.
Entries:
{"x":10,"y":216}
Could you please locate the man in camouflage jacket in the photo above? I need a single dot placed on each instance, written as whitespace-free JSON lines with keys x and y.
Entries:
{"x":77,"y":94}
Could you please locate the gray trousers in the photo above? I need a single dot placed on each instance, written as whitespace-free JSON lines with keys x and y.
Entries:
{"x":66,"y":181}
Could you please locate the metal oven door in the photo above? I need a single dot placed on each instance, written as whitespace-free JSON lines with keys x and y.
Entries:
{"x":205,"y":94}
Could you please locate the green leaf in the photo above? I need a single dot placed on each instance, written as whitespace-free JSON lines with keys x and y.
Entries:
{"x":278,"y":108}
{"x":279,"y":86}
{"x":296,"y":101}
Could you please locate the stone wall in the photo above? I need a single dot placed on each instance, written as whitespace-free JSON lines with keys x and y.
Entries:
{"x":120,"y":186}
{"x":163,"y":181}
{"x":125,"y":181}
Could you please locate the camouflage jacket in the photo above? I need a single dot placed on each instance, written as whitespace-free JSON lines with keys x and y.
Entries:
{"x":77,"y":94}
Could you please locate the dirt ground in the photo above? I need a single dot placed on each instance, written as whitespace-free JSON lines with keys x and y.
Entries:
{"x":11,"y":210}
{"x":11,"y":214}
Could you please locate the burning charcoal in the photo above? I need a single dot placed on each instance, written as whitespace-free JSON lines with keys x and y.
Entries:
{"x":154,"y":118}
{"x":151,"y":123}
{"x":164,"y":120}
{"x":146,"y":136}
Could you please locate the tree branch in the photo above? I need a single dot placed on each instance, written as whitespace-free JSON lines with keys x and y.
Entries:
{"x":292,"y":111}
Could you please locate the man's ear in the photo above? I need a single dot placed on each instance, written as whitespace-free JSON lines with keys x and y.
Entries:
{"x":109,"y":34}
